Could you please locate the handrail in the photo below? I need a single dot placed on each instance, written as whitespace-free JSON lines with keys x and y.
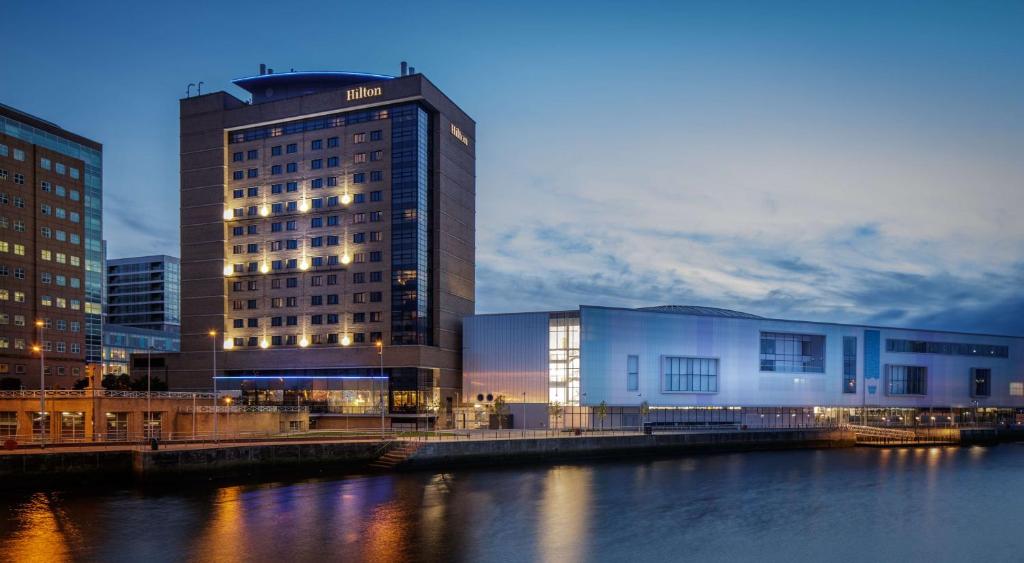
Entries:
{"x":104,"y":393}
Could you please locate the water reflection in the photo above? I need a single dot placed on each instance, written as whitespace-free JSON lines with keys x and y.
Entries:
{"x":913,"y":504}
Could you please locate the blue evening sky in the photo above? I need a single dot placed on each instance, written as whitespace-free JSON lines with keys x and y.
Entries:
{"x":848,"y":161}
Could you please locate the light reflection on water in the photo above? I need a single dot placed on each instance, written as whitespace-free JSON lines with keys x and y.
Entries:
{"x":935,"y":504}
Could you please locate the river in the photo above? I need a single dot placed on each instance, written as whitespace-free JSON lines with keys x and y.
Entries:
{"x":936,"y":504}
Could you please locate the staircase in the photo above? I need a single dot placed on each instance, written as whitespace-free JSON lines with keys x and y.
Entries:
{"x":395,"y":456}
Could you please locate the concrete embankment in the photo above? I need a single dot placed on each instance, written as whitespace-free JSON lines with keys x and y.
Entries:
{"x":148,"y":464}
{"x":490,"y":452}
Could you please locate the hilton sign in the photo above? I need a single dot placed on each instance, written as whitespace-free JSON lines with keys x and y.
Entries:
{"x":362,"y":92}
{"x":458,"y":134}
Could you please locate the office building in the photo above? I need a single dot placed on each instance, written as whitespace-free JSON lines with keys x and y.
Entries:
{"x":121,"y":342}
{"x":327,"y":232}
{"x":702,"y":364}
{"x":50,"y":250}
{"x":143,"y":292}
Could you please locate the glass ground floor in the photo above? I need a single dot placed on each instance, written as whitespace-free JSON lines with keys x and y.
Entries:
{"x":339,"y":391}
{"x":480,"y":416}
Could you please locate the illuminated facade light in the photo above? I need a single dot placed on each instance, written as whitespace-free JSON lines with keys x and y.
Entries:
{"x":264,"y":210}
{"x":303,"y":264}
{"x":228,"y":343}
{"x":228,"y":215}
{"x":228,"y":270}
{"x":345,"y":340}
{"x":303,"y":205}
{"x":264,"y":343}
{"x":346,"y":199}
{"x":345,"y":258}
{"x":303,"y":341}
{"x":264,"y":267}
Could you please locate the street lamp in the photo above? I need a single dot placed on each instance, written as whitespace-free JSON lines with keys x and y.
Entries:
{"x":43,"y":421}
{"x":213,"y":336}
{"x":380,"y":353}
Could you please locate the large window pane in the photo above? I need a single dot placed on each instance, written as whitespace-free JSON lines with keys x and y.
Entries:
{"x":690,"y":375}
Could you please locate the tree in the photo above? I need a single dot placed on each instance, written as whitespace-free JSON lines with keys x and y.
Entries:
{"x":645,"y":409}
{"x":498,"y":408}
{"x":113,"y":382}
{"x":602,"y":412}
{"x":82,"y":383}
{"x":555,"y":410}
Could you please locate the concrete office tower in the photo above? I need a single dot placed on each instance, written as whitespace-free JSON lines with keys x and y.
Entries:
{"x":333,"y":212}
{"x":50,"y":250}
{"x":143,"y":292}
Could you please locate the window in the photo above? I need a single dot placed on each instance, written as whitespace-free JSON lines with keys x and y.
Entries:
{"x":275,"y":150}
{"x":237,"y":175}
{"x":376,"y":155}
{"x":981,"y":382}
{"x":332,"y":142}
{"x":275,"y":170}
{"x":332,"y":162}
{"x":292,"y":167}
{"x":253,"y":173}
{"x":376,"y":176}
{"x":1016,"y":388}
{"x":792,"y":353}
{"x":236,"y":157}
{"x":359,"y":137}
{"x":947,"y":348}
{"x":316,"y":164}
{"x":359,"y":158}
{"x":359,"y":178}
{"x":316,"y":145}
{"x":291,"y":148}
{"x":906,"y":380}
{"x":690,"y":375}
{"x":376,"y":135}
{"x":849,"y":364}
{"x":632,"y":373}
{"x":253,"y":154}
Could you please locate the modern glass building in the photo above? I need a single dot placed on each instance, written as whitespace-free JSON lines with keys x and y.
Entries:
{"x":327,"y":241}
{"x":120,"y":342}
{"x":144,"y":292}
{"x":700,"y":364}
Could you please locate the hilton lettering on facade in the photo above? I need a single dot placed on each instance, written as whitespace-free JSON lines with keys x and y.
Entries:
{"x":460,"y":135}
{"x":362,"y":92}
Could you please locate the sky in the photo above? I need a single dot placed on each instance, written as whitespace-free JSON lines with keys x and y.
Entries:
{"x":855,"y":162}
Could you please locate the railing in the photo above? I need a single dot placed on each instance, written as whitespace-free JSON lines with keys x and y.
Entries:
{"x":206,"y":409}
{"x":103,"y":393}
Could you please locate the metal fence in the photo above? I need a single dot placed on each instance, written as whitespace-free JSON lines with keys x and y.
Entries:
{"x":103,"y":393}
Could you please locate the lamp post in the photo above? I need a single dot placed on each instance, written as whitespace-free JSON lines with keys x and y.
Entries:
{"x":213,"y":336}
{"x":524,"y":414}
{"x":380,"y":353}
{"x":43,"y":421}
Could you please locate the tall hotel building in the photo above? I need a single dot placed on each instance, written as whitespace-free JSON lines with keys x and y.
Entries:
{"x":327,"y":232}
{"x":51,"y":251}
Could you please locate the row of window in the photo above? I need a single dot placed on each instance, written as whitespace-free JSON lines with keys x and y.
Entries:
{"x":59,"y":280}
{"x":314,"y":242}
{"x":59,"y":325}
{"x":48,"y":346}
{"x":314,"y":281}
{"x":17,"y":224}
{"x":17,"y":178}
{"x":946,"y":348}
{"x":283,"y":207}
{"x":20,"y":369}
{"x":314,"y":223}
{"x":316,"y":164}
{"x":58,"y":167}
{"x":60,"y":302}
{"x":307,"y":262}
{"x":318,"y":319}
{"x":304,"y":125}
{"x":19,"y":154}
{"x":315,"y":184}
{"x":15,"y":200}
{"x":59,"y":213}
{"x":17,"y":249}
{"x":16,"y":296}
{"x":314,"y":339}
{"x":60,"y":235}
{"x":315,"y":145}
{"x":60,"y":257}
{"x":60,"y":191}
{"x":315,"y":300}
